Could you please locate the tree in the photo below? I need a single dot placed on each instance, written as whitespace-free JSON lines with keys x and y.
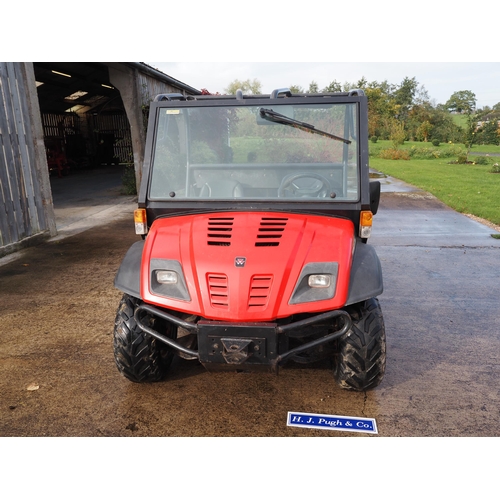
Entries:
{"x":444,"y":128}
{"x":397,"y":133}
{"x":463,"y":101}
{"x":361,"y":84}
{"x":417,"y":116}
{"x":296,"y":89}
{"x":246,"y":86}
{"x":488,"y":133}
{"x":381,"y":110}
{"x":404,"y":96}
{"x":424,"y":130}
{"x":313,"y":88}
{"x":333,"y":86}
{"x":484,"y":111}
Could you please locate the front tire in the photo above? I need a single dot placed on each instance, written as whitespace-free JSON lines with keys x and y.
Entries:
{"x":139,"y":356}
{"x":360,"y":362}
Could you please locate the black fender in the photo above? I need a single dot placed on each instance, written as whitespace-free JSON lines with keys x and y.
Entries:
{"x":128,"y":277}
{"x":366,"y":274}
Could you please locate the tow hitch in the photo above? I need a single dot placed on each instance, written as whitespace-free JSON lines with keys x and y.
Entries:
{"x":257,"y":346}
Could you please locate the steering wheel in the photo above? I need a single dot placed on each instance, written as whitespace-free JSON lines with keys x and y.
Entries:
{"x":318,"y":186}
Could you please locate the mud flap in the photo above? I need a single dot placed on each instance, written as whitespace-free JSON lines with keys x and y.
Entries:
{"x":366,"y":275}
{"x":128,"y":277}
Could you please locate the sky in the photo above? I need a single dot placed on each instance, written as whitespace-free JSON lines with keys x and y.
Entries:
{"x":395,"y":41}
{"x":440,"y":79}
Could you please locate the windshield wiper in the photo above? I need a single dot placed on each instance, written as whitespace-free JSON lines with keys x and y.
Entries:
{"x":273,"y":116}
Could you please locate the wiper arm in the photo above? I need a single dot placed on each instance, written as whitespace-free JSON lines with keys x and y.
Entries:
{"x":273,"y":116}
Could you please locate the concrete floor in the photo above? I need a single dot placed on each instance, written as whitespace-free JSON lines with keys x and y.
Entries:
{"x":88,"y":198}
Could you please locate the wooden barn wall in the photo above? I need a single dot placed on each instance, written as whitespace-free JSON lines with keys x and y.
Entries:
{"x":22,"y":211}
{"x":150,"y":88}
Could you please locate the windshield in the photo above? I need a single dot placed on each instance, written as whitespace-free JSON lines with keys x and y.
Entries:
{"x":272,"y":153}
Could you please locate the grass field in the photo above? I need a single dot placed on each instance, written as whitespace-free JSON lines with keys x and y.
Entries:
{"x":470,"y":189}
{"x":460,"y":120}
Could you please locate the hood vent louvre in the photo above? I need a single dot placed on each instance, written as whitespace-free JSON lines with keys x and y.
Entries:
{"x":218,"y":289}
{"x":270,"y":231}
{"x":219,"y":231}
{"x":260,"y":289}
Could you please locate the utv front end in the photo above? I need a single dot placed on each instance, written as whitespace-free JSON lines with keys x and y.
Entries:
{"x":255,"y":212}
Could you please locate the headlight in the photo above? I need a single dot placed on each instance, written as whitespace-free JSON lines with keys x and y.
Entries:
{"x":319,"y":280}
{"x":167,"y":277}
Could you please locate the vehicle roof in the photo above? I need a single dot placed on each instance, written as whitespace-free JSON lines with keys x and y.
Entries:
{"x":241,"y":96}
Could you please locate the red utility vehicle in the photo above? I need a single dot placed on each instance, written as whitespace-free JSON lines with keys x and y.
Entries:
{"x":255,"y":211}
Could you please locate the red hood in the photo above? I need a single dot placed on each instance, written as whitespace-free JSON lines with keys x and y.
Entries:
{"x":242,"y":266}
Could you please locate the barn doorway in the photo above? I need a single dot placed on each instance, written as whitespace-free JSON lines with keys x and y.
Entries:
{"x":87,"y":139}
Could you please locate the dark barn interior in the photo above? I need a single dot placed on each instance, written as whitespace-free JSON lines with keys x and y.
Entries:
{"x":84,"y":121}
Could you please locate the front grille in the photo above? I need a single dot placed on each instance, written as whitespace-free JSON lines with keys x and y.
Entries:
{"x":219,"y":231}
{"x":270,"y":231}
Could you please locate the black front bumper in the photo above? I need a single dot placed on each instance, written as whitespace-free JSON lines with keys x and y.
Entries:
{"x":249,"y":346}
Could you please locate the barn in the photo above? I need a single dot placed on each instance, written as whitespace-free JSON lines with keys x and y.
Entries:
{"x":56,"y":118}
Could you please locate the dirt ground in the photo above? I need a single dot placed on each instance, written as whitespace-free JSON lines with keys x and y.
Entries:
{"x":58,"y":377}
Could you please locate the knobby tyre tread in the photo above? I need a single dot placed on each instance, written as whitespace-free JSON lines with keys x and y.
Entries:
{"x":360,"y":362}
{"x":139,"y":356}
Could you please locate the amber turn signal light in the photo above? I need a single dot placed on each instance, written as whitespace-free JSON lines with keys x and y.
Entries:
{"x":141,"y":226}
{"x":365,"y":224}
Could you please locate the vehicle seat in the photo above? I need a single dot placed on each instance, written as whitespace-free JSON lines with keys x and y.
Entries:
{"x":222,"y":189}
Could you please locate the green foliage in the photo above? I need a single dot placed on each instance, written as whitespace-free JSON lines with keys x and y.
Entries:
{"x":374,"y":139}
{"x":404,"y":97}
{"x":128,"y":181}
{"x":435,"y":142}
{"x":434,"y":152}
{"x":296,"y":89}
{"x":495,"y":169}
{"x":488,"y":133}
{"x":480,"y":160}
{"x":397,"y":134}
{"x":459,"y":120}
{"x":333,"y":86}
{"x":418,"y":150}
{"x":394,"y":154}
{"x":313,"y":88}
{"x":381,"y":110}
{"x":409,"y":104}
{"x":463,"y":101}
{"x":246,"y":86}
{"x":201,"y":152}
{"x":424,"y":130}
